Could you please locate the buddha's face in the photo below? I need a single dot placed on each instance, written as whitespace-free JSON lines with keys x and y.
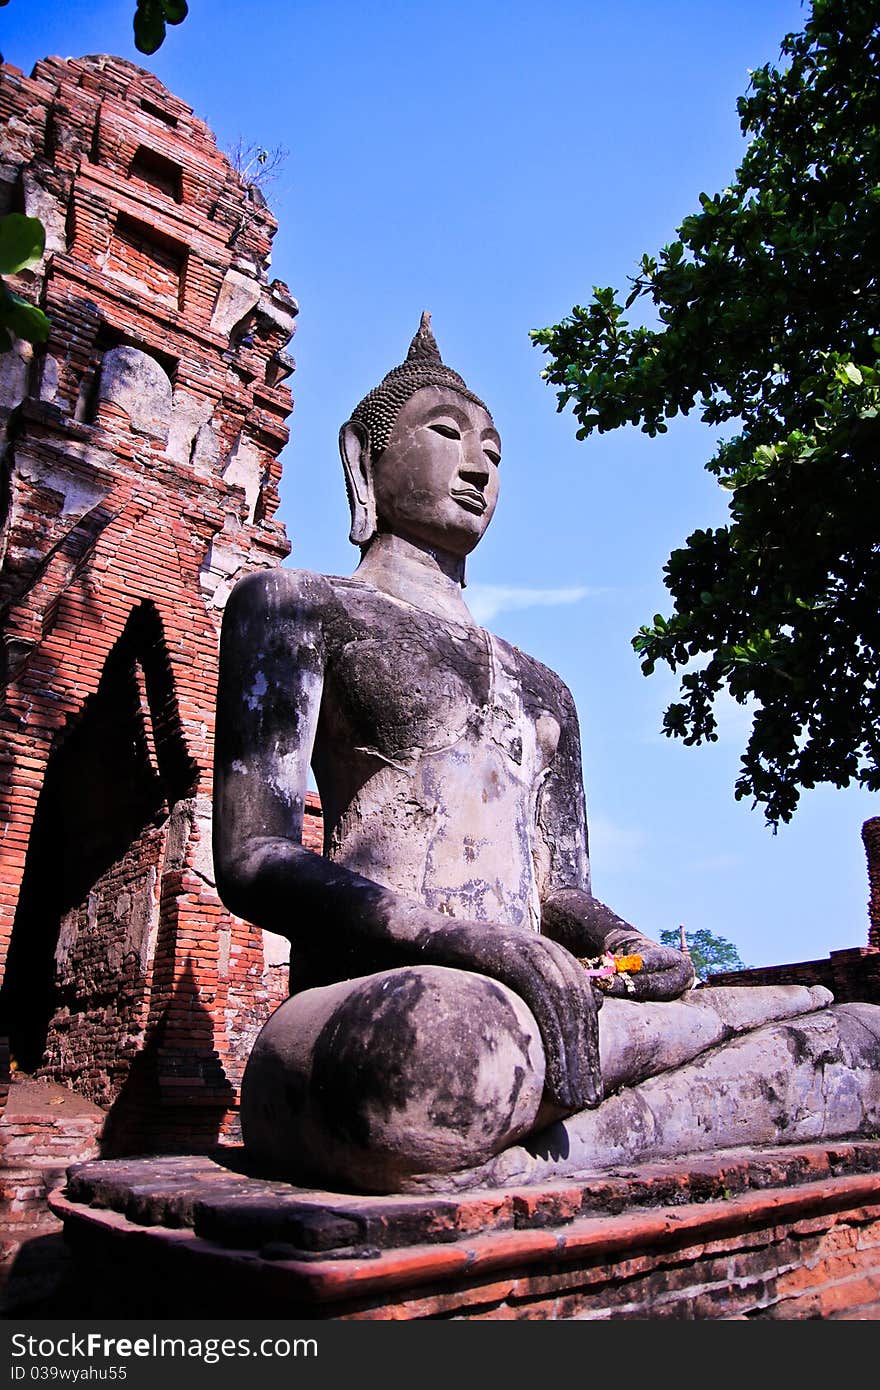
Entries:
{"x":436,"y":481}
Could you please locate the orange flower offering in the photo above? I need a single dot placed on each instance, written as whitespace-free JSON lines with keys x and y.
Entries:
{"x":631,"y":964}
{"x":604,"y":967}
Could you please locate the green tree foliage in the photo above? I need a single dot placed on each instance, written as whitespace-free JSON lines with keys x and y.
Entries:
{"x":769,"y":304}
{"x":709,"y":954}
{"x":150,"y":19}
{"x":22,"y":242}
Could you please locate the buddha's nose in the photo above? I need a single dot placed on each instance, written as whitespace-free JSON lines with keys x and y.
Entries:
{"x":475,"y":466}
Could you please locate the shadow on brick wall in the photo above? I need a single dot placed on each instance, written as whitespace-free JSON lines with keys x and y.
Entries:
{"x":176,"y":1095}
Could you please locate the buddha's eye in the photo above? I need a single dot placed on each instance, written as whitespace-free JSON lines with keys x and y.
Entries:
{"x":492,"y":454}
{"x":446,"y":428}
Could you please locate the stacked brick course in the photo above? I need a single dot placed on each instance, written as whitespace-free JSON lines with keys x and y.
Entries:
{"x":43,"y":1129}
{"x":768,"y":1234}
{"x":871,"y":841}
{"x":139,"y":480}
{"x":40,"y":1135}
{"x":852,"y":975}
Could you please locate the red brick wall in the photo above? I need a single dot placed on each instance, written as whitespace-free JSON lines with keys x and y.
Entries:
{"x":871,"y":841}
{"x":130,"y":506}
{"x":851,"y":975}
{"x":135,"y":256}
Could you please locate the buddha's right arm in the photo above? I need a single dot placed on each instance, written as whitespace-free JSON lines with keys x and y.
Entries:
{"x":272,"y":658}
{"x":272,"y":655}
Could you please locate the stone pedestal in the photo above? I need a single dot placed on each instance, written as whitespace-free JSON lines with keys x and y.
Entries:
{"x":771,"y":1233}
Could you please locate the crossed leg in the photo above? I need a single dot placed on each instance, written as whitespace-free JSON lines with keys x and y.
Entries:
{"x":367,"y":1082}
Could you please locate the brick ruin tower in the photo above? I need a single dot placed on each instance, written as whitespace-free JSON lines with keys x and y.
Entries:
{"x":139,"y":480}
{"x":871,"y":841}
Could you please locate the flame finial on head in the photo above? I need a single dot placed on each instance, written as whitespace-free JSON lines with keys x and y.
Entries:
{"x":424,"y":345}
{"x":423,"y":367}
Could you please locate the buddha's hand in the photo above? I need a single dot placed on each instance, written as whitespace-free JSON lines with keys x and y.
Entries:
{"x":549,"y":981}
{"x":664,"y":974}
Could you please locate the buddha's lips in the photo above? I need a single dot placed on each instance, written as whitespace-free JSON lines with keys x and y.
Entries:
{"x":469,"y":498}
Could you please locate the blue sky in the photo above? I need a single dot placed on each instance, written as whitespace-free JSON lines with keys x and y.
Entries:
{"x":491,"y":161}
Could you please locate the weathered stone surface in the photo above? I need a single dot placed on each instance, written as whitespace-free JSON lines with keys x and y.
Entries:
{"x":239,"y":294}
{"x":449,"y":767}
{"x":49,"y":376}
{"x":244,"y":469}
{"x":815,"y":1076}
{"x":40,"y":202}
{"x":638,"y":1042}
{"x":414,"y":1070}
{"x":14,"y":368}
{"x":222,"y":1199}
{"x":189,"y":414}
{"x":136,"y":383}
{"x":277,"y":310}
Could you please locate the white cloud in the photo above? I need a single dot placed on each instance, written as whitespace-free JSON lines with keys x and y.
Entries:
{"x":614,"y":847}
{"x":486,"y":601}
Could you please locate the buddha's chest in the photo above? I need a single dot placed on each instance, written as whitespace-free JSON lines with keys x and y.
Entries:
{"x":408,"y":684}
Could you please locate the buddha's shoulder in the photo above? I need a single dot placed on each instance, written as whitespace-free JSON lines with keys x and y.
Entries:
{"x":285,"y":590}
{"x":302,"y":601}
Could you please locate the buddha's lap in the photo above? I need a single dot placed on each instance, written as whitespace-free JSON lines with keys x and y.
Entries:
{"x":421,"y":1067}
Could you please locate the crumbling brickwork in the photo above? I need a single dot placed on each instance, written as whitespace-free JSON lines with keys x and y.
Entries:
{"x":852,"y":975}
{"x":871,"y":841}
{"x":140,"y":478}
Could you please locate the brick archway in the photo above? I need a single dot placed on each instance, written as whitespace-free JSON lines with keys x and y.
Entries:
{"x":88,"y":900}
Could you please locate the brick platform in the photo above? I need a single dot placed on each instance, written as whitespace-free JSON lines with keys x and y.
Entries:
{"x":778,"y":1234}
{"x":43,"y":1129}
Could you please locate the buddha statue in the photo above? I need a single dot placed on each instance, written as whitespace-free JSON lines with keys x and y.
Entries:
{"x":459,"y":1006}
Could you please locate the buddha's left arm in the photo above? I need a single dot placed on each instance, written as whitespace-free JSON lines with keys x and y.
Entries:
{"x":570,"y":914}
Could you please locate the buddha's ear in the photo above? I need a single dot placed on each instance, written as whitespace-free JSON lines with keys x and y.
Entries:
{"x":354,"y":448}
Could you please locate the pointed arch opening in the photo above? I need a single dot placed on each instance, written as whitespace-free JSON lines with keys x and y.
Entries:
{"x":78,"y":959}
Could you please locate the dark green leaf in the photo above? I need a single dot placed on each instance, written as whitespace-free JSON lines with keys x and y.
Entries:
{"x":149,"y":26}
{"x":21,"y":319}
{"x":22,"y":242}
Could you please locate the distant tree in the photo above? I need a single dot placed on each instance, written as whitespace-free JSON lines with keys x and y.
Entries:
{"x":709,"y":954}
{"x":769,"y":310}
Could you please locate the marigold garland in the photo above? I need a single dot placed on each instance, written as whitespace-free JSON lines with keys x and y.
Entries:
{"x":603,"y":968}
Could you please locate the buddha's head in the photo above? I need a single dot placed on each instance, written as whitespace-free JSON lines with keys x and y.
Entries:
{"x":421,"y":455}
